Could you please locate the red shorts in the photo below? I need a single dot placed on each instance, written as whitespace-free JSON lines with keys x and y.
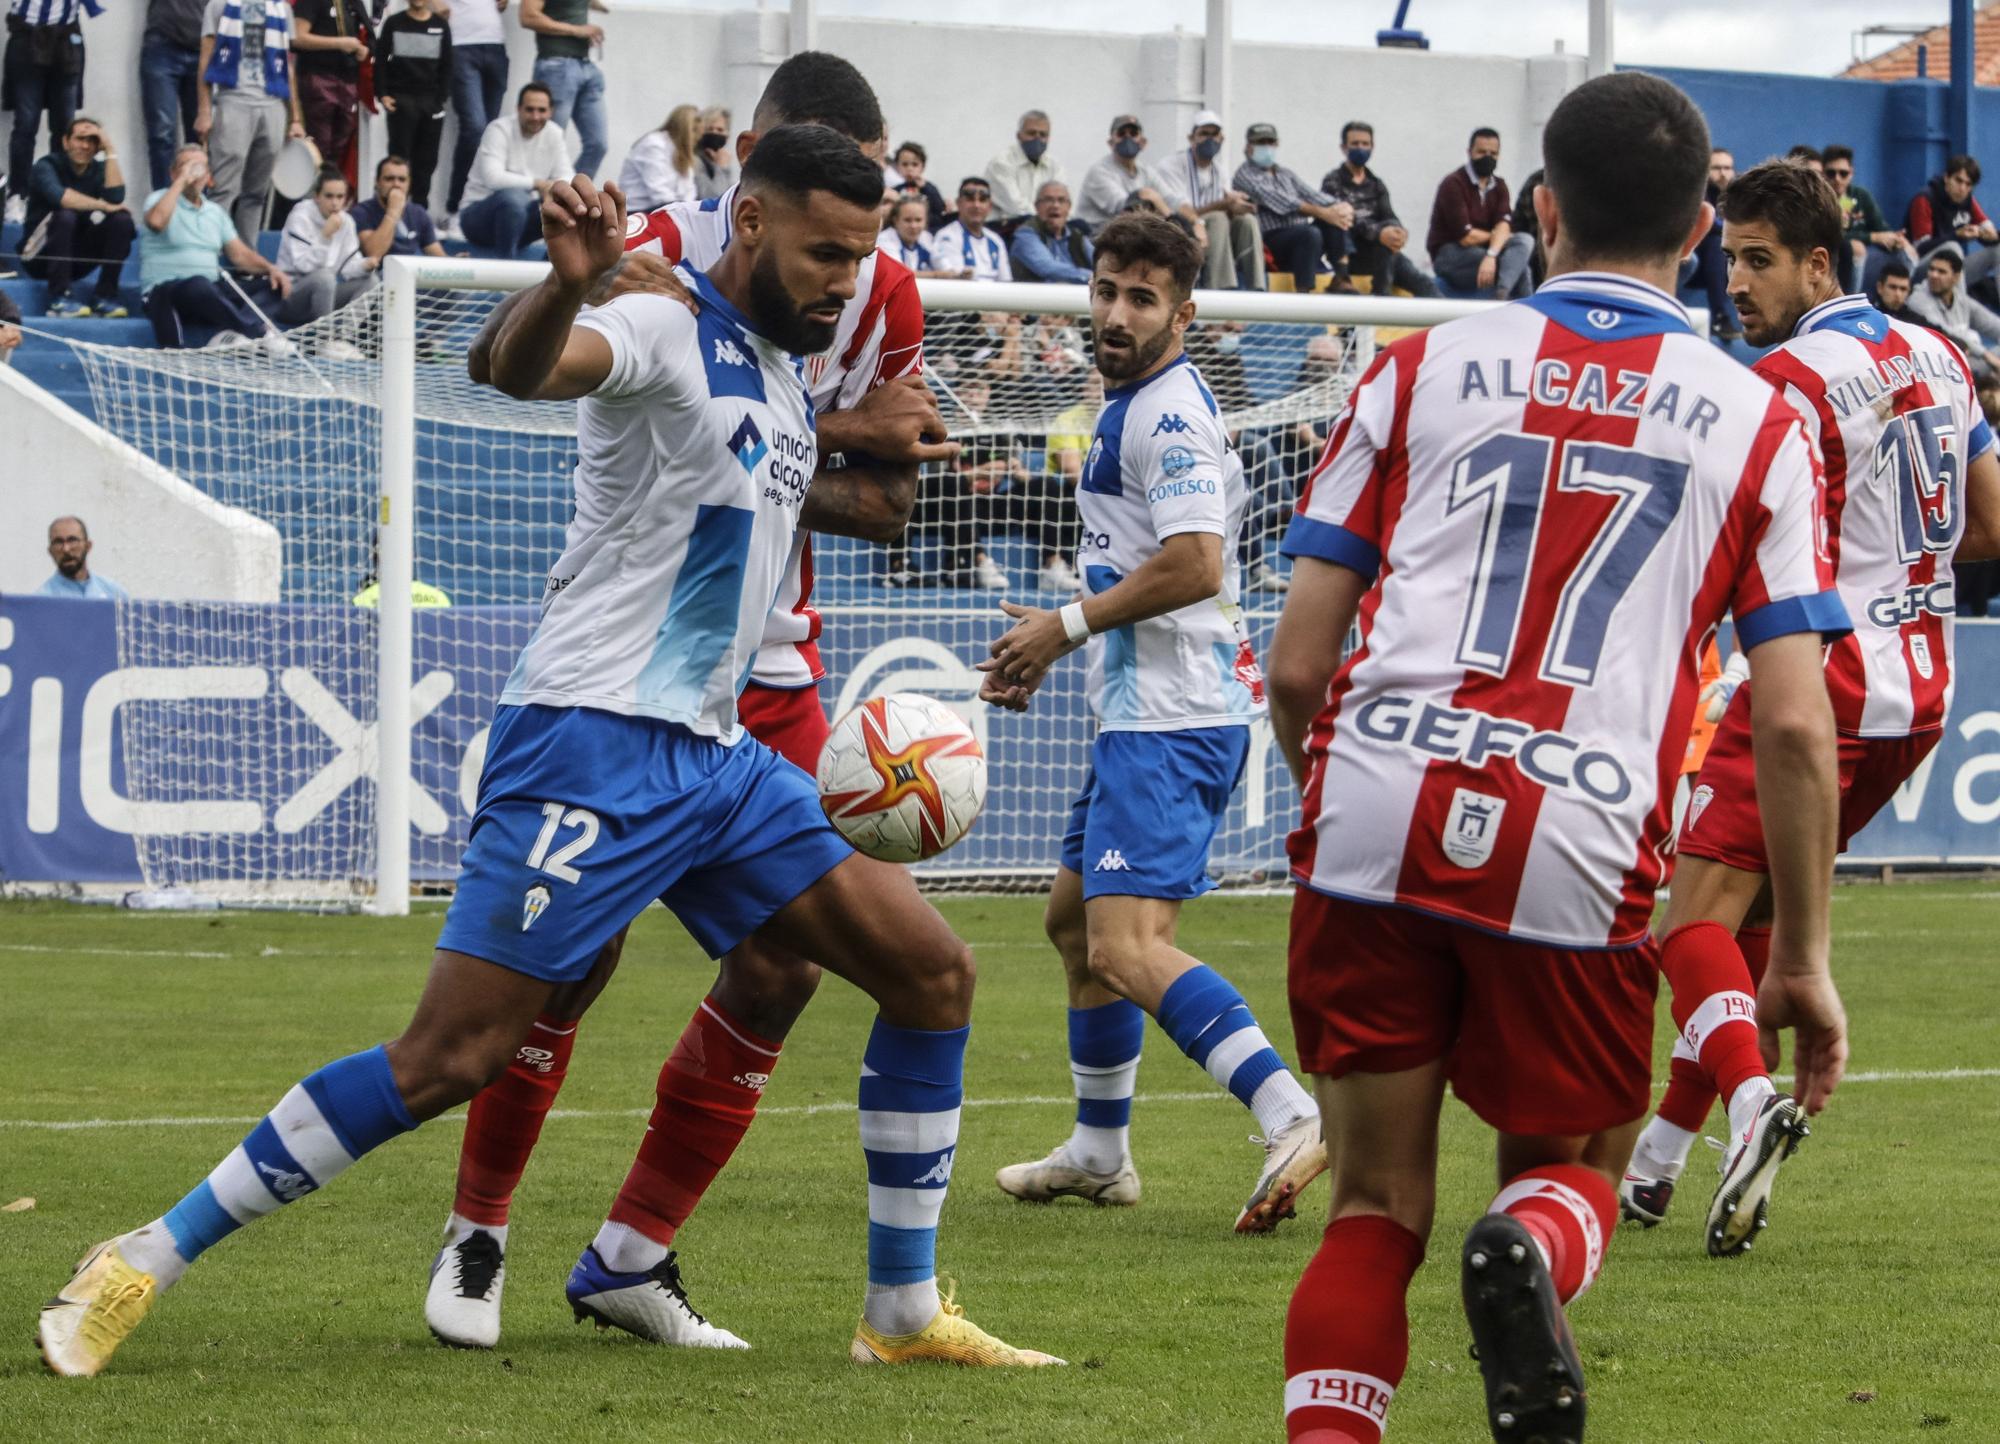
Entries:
{"x":788,"y":720}
{"x":1722,"y":822}
{"x":1538,"y":1039}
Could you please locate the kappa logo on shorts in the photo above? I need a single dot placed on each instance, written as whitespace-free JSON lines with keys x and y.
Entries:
{"x":1112,"y":861}
{"x":1472,"y":827}
{"x":533,"y":905}
{"x":1698,"y":804}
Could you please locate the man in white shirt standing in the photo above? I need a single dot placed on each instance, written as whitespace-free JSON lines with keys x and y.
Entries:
{"x":965,"y":247}
{"x":1224,"y":218}
{"x":520,"y":157}
{"x":1020,"y":171}
{"x":1121,"y":177}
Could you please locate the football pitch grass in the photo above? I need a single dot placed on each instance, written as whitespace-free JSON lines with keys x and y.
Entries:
{"x":141,"y":1046}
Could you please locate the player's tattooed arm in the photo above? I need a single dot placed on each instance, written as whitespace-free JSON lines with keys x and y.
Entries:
{"x":529,"y":350}
{"x":1981,"y":541}
{"x":894,"y":430}
{"x":1305,"y":651}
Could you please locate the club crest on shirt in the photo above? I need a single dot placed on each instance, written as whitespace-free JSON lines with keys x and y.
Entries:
{"x":1472,"y":827}
{"x":1601,"y":318}
{"x":1698,"y":804}
{"x":1920,"y":654}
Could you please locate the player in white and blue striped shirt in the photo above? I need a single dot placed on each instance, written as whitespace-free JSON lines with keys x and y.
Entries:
{"x":1176,"y":689}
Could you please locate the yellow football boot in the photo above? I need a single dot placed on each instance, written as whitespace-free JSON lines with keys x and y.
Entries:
{"x":950,"y":1338}
{"x":82,"y":1327}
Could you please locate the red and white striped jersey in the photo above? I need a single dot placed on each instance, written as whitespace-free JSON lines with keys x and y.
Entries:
{"x":880,"y":337}
{"x":1893,"y":410}
{"x":1559,"y":499}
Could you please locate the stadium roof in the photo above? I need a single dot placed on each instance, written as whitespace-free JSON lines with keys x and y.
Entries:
{"x":1900,"y":62}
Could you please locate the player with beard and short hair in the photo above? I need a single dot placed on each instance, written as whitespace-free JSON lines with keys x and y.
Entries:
{"x":1911,"y":481}
{"x":1538,"y":516}
{"x":1176,"y":690}
{"x":875,"y":422}
{"x":617,"y":771}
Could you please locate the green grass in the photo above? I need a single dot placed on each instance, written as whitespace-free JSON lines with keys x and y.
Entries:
{"x":1866,"y":1313}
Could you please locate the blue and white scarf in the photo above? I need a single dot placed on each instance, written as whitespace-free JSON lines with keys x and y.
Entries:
{"x":224,"y":65}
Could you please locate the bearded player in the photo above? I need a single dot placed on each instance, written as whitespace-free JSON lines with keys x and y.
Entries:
{"x":617,"y":770}
{"x":873,"y":414}
{"x":1540,"y":514}
{"x":1176,"y":689}
{"x":1911,"y":481}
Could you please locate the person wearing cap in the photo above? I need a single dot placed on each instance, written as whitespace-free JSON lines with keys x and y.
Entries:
{"x":965,"y":247}
{"x":1300,"y":224}
{"x":1020,"y":171}
{"x":1473,"y":243}
{"x":1120,"y":181}
{"x":1379,"y":236}
{"x":1224,"y":218}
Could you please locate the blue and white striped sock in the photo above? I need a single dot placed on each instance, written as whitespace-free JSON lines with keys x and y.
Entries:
{"x":1104,"y":1045}
{"x":912,"y":1083}
{"x":1213,"y":1025}
{"x":317,"y":1130}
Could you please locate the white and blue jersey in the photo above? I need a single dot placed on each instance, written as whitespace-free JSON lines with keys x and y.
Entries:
{"x":693,"y":458}
{"x":1160,"y":464}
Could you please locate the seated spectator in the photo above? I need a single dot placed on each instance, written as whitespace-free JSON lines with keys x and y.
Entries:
{"x":183,"y":241}
{"x":1866,"y":225}
{"x":413,"y":70}
{"x":1946,"y":210}
{"x":1300,"y":224}
{"x":520,"y":157}
{"x":10,"y":328}
{"x":69,"y":549}
{"x":905,"y":238}
{"x":321,"y":252}
{"x":77,"y":221}
{"x":1526,"y":223}
{"x":965,"y":247}
{"x":1224,"y":219}
{"x":1379,"y":235}
{"x":1809,"y":157}
{"x":1472,"y":241}
{"x":911,"y":159}
{"x":389,"y":223}
{"x":715,"y":163}
{"x":986,"y":488}
{"x":1020,"y":171}
{"x":248,"y":104}
{"x":1050,"y":246}
{"x":1945,"y":305}
{"x":660,"y":167}
{"x":1121,"y":181}
{"x":1892,"y":292}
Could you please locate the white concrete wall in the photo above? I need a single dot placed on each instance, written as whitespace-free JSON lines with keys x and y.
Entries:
{"x":151,"y":532}
{"x":959,"y":88}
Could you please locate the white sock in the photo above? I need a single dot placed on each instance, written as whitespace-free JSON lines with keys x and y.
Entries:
{"x":895,"y":1309}
{"x":458,"y":1228}
{"x":1744,"y":1103}
{"x":151,"y":1250}
{"x":1100,"y":1150}
{"x":625,"y":1250}
{"x":1279,"y":1102}
{"x":1662,"y":1149}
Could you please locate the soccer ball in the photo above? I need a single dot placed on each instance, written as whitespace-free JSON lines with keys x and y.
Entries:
{"x":902,"y":777}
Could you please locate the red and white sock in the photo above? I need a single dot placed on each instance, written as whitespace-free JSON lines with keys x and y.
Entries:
{"x":1347,"y":1333}
{"x":1571,"y":1211}
{"x":503,"y":1123}
{"x":707,"y":1098}
{"x":1715,"y":1003}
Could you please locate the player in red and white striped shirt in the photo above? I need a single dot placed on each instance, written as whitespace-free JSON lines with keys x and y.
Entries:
{"x":1540,"y":513}
{"x":872,"y":406}
{"x":1911,"y":479}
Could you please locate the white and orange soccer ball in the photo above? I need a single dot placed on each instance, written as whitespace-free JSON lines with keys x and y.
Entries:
{"x":902,"y":777}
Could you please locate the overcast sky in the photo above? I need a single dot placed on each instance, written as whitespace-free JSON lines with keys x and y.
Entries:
{"x":1808,"y":37}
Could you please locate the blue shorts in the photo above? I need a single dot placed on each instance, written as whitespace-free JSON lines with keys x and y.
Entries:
{"x":1149,"y":809}
{"x":585,"y":817}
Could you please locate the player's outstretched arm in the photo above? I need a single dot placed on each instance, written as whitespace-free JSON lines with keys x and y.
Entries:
{"x":529,"y":349}
{"x":1305,"y":651}
{"x":1981,"y":540}
{"x":1792,"y":740}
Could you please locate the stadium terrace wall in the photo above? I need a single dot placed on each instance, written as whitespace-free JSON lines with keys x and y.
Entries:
{"x":66,"y":815}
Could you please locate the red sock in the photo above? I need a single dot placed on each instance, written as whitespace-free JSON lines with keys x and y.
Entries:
{"x":1347,"y":1333}
{"x":1756,"y":946}
{"x":1571,"y":1211}
{"x":708,"y":1095}
{"x":1715,"y":1003}
{"x":1689,"y":1095}
{"x":506,"y":1119}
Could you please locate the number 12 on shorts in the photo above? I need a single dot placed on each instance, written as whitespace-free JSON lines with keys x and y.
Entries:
{"x":555,"y":817}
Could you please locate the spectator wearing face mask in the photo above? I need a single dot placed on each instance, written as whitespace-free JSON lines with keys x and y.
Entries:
{"x":1224,"y":218}
{"x":1300,"y":224}
{"x":1019,"y":172}
{"x":1472,"y":241}
{"x":715,"y":162}
{"x":1380,"y":237}
{"x":1121,"y":179}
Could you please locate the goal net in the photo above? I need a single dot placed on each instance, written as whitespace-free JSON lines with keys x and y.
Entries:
{"x":267,"y":756}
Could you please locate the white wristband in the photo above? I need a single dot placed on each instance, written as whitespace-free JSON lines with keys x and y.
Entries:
{"x":1074,"y":625}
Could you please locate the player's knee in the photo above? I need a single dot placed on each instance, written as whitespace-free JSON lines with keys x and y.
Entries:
{"x":947,"y":973}
{"x":1065,"y":929}
{"x":439,"y":1070}
{"x":1118,"y":963}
